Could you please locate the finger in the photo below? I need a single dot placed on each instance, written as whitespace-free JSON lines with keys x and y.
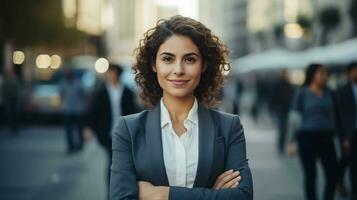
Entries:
{"x":230,"y":177}
{"x":227,"y":178}
{"x":232,"y":182}
{"x":219,"y":182}
{"x":235,"y":185}
{"x":225,"y":173}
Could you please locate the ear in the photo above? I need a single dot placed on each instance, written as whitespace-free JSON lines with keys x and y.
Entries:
{"x":154,"y":68}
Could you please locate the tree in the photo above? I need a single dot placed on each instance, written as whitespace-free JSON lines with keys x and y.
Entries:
{"x":329,"y":20}
{"x":353,"y":16}
{"x":29,"y":23}
{"x":279,"y":33}
{"x":35,"y":23}
{"x":304,"y":22}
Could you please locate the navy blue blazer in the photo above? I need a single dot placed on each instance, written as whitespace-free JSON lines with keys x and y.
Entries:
{"x":346,"y":110}
{"x":138,"y":156}
{"x":99,"y":117}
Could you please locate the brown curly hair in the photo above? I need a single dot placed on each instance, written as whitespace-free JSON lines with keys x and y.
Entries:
{"x":214,"y":56}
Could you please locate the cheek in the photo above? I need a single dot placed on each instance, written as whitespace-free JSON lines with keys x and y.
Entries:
{"x":162,"y":74}
{"x":162,"y":71}
{"x":198,"y":75}
{"x":195,"y":71}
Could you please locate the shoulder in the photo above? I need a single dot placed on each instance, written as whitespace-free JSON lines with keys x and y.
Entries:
{"x":129,"y":125}
{"x":229,"y":125}
{"x":134,"y":120}
{"x":126,"y":89}
{"x":226,"y":119}
{"x":223,"y":115}
{"x":100,"y":89}
{"x":301,"y":90}
{"x":332,"y":93}
{"x":345,"y":88}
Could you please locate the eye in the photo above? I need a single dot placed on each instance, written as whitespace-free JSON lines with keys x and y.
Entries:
{"x":167,"y":59}
{"x":190,"y":59}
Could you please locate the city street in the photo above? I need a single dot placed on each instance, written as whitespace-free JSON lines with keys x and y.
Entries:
{"x":34,"y":166}
{"x":69,"y":61}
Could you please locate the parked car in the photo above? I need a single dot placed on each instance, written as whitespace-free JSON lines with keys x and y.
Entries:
{"x":44,"y":103}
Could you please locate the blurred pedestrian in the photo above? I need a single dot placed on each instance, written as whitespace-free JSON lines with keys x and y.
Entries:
{"x":262,"y":86}
{"x":72,"y":95}
{"x":279,"y":104}
{"x":231,"y":95}
{"x":111,"y":100}
{"x":11,"y":95}
{"x":315,"y":104}
{"x":2,"y":108}
{"x":347,"y":107}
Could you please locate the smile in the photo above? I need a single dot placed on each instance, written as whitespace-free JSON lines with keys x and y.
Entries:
{"x":178,"y":83}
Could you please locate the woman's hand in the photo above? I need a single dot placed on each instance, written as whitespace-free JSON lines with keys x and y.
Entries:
{"x":148,"y":191}
{"x":228,"y":179}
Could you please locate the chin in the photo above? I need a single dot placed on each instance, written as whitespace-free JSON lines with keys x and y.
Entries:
{"x":180,"y":94}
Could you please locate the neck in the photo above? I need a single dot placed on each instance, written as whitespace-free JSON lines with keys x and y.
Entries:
{"x":114,"y":83}
{"x":178,"y":108}
{"x":316,"y":88}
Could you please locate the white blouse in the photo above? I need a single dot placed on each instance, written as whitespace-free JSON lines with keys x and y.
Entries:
{"x":180,"y":153}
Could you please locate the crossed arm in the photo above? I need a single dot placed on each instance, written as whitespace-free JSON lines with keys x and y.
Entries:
{"x":227,"y":180}
{"x":233,"y":184}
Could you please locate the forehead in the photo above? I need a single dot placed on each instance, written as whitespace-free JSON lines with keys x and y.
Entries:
{"x":320,"y":69}
{"x":178,"y":45}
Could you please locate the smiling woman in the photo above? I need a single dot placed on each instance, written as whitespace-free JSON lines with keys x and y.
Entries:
{"x":209,"y":49}
{"x":180,"y":148}
{"x":178,"y":67}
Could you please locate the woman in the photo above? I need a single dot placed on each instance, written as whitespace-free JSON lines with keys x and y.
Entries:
{"x":315,"y":104}
{"x":180,"y":149}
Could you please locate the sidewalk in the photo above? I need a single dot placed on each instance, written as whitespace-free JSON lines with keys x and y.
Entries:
{"x":275,"y":177}
{"x":36,"y":167}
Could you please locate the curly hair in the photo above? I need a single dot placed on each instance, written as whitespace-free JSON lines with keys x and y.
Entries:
{"x":214,"y":59}
{"x":310,"y":73}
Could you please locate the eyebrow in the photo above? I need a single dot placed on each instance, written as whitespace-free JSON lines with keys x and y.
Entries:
{"x":171,"y":54}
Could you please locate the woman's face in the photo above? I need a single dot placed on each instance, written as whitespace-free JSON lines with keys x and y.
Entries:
{"x":178,"y":66}
{"x":112,"y":76}
{"x":353,"y":74}
{"x":321,"y":77}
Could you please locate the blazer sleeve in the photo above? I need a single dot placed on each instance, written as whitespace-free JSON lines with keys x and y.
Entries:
{"x":123,"y":183}
{"x":236,"y":160}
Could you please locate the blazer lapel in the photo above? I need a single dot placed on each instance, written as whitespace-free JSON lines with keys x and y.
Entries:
{"x":158,"y":174}
{"x":206,"y":147}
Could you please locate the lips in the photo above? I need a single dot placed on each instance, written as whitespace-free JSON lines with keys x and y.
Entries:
{"x":178,"y":83}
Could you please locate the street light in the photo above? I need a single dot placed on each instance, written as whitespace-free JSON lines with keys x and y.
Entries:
{"x":43,"y":61}
{"x":293,"y":30}
{"x":101,"y":65}
{"x":18,"y":57}
{"x":55,"y":61}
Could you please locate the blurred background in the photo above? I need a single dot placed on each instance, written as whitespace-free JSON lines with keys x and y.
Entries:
{"x":40,"y":40}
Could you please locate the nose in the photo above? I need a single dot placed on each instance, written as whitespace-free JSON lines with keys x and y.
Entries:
{"x":179,"y":69}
